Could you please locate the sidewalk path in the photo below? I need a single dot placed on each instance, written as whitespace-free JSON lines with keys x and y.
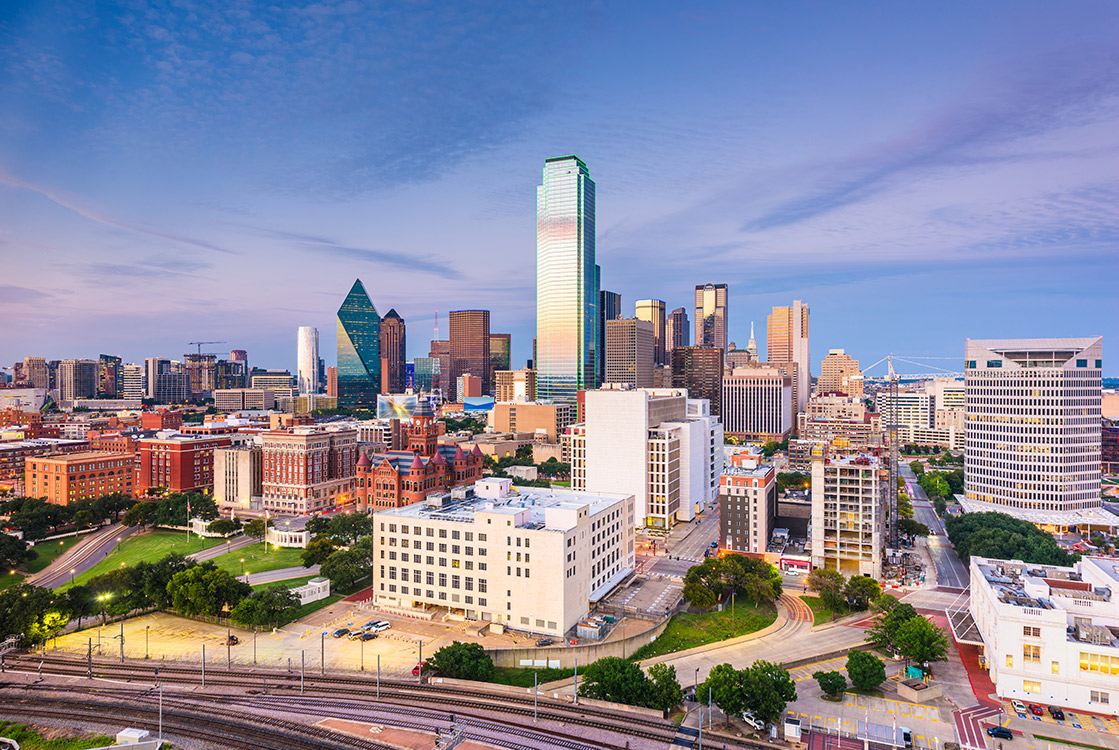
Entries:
{"x":283,"y":574}
{"x":234,"y":543}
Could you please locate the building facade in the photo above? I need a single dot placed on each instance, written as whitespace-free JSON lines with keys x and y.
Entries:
{"x":840,"y":373}
{"x":1033,"y":430}
{"x":914,"y":408}
{"x":652,"y":311}
{"x":757,"y":403}
{"x":77,"y":378}
{"x":515,"y":385}
{"x":630,"y":352}
{"x":71,"y":477}
{"x":677,"y":332}
{"x":307,"y":359}
{"x":308,"y":469}
{"x":609,"y":308}
{"x":240,"y":399}
{"x":500,"y":352}
{"x":711,"y":316}
{"x":359,"y":351}
{"x":547,"y":420}
{"x":179,"y":463}
{"x":848,"y":515}
{"x":470,"y":349}
{"x":787,"y":341}
{"x":700,"y":370}
{"x":238,"y":475}
{"x":531,"y":560}
{"x":393,"y":352}
{"x":568,"y":339}
{"x":747,"y":505}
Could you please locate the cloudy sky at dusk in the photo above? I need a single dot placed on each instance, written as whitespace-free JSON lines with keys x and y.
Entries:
{"x":918,"y":174}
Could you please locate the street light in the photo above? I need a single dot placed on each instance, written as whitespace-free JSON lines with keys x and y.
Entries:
{"x":72,"y":574}
{"x":146,"y":628}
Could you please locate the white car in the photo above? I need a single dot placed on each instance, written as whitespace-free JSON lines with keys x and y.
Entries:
{"x":751,"y":721}
{"x":1018,"y":707}
{"x":380,"y":626}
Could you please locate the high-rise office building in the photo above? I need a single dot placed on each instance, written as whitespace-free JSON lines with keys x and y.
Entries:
{"x":332,"y":382}
{"x":426,"y":377}
{"x":756,"y":403}
{"x":700,"y":370}
{"x":711,"y":315}
{"x":609,"y":308}
{"x":676,"y":332}
{"x":500,"y":346}
{"x":307,"y":360}
{"x":840,"y":373}
{"x":110,"y":377}
{"x":359,"y":350}
{"x":36,"y":372}
{"x":630,"y":352}
{"x":440,"y":351}
{"x":133,"y":381}
{"x":787,"y":341}
{"x":515,"y":385}
{"x":848,"y":515}
{"x":652,"y":310}
{"x":77,"y":378}
{"x":393,"y":352}
{"x":1033,"y":430}
{"x":470,"y":348}
{"x":166,"y":383}
{"x":567,"y":319}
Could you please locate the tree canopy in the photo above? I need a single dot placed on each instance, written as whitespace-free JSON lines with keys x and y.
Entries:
{"x":764,"y":689}
{"x":716,"y":578}
{"x":206,"y":590}
{"x":866,"y":670}
{"x":999,"y":536}
{"x":462,"y":661}
{"x":832,"y":684}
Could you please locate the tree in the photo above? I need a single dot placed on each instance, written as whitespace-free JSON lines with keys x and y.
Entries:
{"x":318,"y":549}
{"x":767,"y":689}
{"x":14,"y":552}
{"x":268,"y":608}
{"x":83,"y":519}
{"x":909,"y":527}
{"x":462,"y":661}
{"x":317,"y":526}
{"x":892,"y":614}
{"x":865,"y":670}
{"x":723,"y":687}
{"x":345,"y":568}
{"x":205,"y":590}
{"x":80,"y":603}
{"x":833,"y":684}
{"x":141,"y":514}
{"x":699,"y":596}
{"x":615,"y":679}
{"x":223,"y":526}
{"x":30,"y":611}
{"x":255,"y":528}
{"x":917,"y":468}
{"x":921,"y":641}
{"x":829,"y":585}
{"x":664,"y":691}
{"x":861,"y":591}
{"x":999,"y":536}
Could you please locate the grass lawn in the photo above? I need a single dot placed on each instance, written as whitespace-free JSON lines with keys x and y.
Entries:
{"x":521,"y":677}
{"x":820,"y":613}
{"x":290,"y":583}
{"x":152,"y":546}
{"x":48,"y":552}
{"x":1068,"y":742}
{"x":30,"y":740}
{"x":259,"y":560}
{"x":687,"y":630}
{"x":8,"y":579}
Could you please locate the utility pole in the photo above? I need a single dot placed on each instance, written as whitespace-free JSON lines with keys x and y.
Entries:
{"x":535,"y":693}
{"x":576,"y":680}
{"x":122,"y":641}
{"x":302,"y":669}
{"x":228,"y":650}
{"x":89,"y":659}
{"x":203,"y":665}
{"x":378,"y":677}
{"x":322,"y":655}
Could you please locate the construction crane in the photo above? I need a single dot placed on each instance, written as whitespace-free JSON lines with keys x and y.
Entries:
{"x":940,"y":372}
{"x":200,"y":343}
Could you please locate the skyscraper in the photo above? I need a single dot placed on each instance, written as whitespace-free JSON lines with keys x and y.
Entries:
{"x":470,"y":348}
{"x":307,"y":359}
{"x":567,"y":321}
{"x":500,"y":351}
{"x":787,"y":341}
{"x":752,"y":346}
{"x":609,"y":308}
{"x":359,"y":350}
{"x":77,"y":378}
{"x":1033,"y":430}
{"x":652,"y":310}
{"x":676,"y":332}
{"x":711,"y":315}
{"x":840,"y":373}
{"x":700,"y":370}
{"x":110,"y":378}
{"x":629,"y":352}
{"x":393,"y":352}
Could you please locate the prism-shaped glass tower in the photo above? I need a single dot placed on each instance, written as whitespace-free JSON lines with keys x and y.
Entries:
{"x":359,"y":351}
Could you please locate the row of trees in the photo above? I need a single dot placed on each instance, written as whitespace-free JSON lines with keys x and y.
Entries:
{"x":716,"y":578}
{"x":840,"y":594}
{"x":901,"y":630}
{"x":37,"y":518}
{"x":793,"y":480}
{"x":171,"y":510}
{"x":999,"y":536}
{"x":866,"y":671}
{"x":763,"y":688}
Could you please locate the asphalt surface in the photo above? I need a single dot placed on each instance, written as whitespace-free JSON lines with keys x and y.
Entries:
{"x":283,"y":574}
{"x":950,"y":572}
{"x":235,"y":543}
{"x":92,"y":549}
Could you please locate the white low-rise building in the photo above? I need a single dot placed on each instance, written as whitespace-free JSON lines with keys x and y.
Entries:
{"x":530,"y":559}
{"x":1050,"y":634}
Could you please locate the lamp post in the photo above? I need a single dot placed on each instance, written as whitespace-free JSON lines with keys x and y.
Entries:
{"x":732,"y":613}
{"x":146,"y":629}
{"x":73,"y":572}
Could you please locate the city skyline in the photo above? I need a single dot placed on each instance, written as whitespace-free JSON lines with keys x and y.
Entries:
{"x":979,"y":165}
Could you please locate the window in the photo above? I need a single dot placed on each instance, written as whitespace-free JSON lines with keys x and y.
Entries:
{"x":1099,"y":663}
{"x":1031,"y":632}
{"x":1098,"y":696}
{"x":1031,"y":686}
{"x":1056,"y":667}
{"x":482,"y":538}
{"x":1031,"y":654}
{"x":1010,"y":660}
{"x":442,"y":579}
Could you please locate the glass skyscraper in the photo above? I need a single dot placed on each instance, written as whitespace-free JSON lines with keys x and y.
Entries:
{"x":567,"y":327}
{"x":711,"y":315}
{"x":359,"y":351}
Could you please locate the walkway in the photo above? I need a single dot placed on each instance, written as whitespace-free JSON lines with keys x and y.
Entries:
{"x":234,"y":543}
{"x":283,"y":574}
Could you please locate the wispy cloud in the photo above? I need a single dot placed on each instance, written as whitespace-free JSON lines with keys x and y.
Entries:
{"x":21,"y":295}
{"x":426,"y":263}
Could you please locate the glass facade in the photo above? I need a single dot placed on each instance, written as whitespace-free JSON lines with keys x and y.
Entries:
{"x":359,"y":351}
{"x":307,"y":359}
{"x":711,"y":315}
{"x":568,"y":338}
{"x":499,"y":351}
{"x":426,"y":375}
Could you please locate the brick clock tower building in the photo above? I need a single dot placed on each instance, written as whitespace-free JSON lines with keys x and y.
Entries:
{"x":397,"y":478}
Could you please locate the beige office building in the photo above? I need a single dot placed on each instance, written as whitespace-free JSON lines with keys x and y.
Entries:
{"x":913,"y":408}
{"x":835,"y":407}
{"x":630,"y":352}
{"x":840,"y":373}
{"x":238,"y":475}
{"x":515,"y":385}
{"x":848,"y":515}
{"x":757,"y":403}
{"x":540,"y":419}
{"x":529,"y":559}
{"x":239,"y":399}
{"x":652,"y":311}
{"x":787,"y":341}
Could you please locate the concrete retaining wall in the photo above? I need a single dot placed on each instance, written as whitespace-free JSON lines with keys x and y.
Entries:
{"x":566,"y":655}
{"x":490,"y":687}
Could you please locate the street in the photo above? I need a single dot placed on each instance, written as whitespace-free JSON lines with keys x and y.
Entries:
{"x":92,"y":549}
{"x":950,"y":572}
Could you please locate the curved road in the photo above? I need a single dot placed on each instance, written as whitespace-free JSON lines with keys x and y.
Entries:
{"x":81,"y":557}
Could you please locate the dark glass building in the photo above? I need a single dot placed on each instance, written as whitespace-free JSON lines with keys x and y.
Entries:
{"x":359,"y":351}
{"x":393,"y":357}
{"x":700,"y":370}
{"x":499,"y":351}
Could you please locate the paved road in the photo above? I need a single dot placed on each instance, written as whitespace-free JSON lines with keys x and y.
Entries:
{"x":687,"y":542}
{"x":950,"y":571}
{"x":283,"y":574}
{"x":92,"y":549}
{"x":235,"y":543}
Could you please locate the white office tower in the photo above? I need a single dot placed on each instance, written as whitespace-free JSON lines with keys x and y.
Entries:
{"x":662,"y":447}
{"x":848,"y":515}
{"x":1033,"y":431}
{"x":133,"y":381}
{"x":307,"y":361}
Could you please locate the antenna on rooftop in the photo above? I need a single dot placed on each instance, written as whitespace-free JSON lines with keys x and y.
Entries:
{"x":435,"y":336}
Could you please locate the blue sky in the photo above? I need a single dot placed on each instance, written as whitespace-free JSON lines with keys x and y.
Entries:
{"x":917,"y":173}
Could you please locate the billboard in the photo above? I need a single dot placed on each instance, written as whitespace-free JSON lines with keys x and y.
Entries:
{"x":477,"y":403}
{"x":396,"y":406}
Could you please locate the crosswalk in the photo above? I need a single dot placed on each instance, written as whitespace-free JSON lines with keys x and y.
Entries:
{"x":969,"y":729}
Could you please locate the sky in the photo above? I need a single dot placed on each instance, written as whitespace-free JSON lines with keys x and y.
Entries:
{"x":917,"y":173}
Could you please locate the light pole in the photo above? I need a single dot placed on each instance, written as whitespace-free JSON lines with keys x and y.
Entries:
{"x":243,"y":569}
{"x":732,"y":613}
{"x":73,"y":572}
{"x":146,"y":629}
{"x":322,"y":654}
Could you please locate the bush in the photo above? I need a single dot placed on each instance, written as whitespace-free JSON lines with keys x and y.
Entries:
{"x":462,"y":661}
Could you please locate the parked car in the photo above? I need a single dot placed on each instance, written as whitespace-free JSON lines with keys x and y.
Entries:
{"x":544,"y":642}
{"x":416,"y":669}
{"x":368,"y":636}
{"x":906,"y":736}
{"x":1001,"y":732}
{"x":340,"y":632}
{"x":752,"y":721}
{"x":1056,"y":713}
{"x":380,"y":626}
{"x":714,"y":545}
{"x":355,"y":634}
{"x":1036,"y":710}
{"x":1019,"y":707}
{"x":232,"y":640}
{"x":369,"y":624}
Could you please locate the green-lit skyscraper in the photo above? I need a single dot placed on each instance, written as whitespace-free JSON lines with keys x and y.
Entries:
{"x":359,"y":351}
{"x":567,"y":330}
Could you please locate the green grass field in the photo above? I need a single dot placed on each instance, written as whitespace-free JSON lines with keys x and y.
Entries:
{"x":151,"y":547}
{"x":258,"y":559}
{"x":48,"y":552}
{"x":30,"y":740}
{"x":687,"y":630}
{"x":820,"y":613}
{"x":9,"y":579}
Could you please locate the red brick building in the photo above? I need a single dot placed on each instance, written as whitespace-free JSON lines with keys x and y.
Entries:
{"x":165,"y":419}
{"x":396,"y":478}
{"x":64,"y":479}
{"x":308,"y":469}
{"x":180,"y":463}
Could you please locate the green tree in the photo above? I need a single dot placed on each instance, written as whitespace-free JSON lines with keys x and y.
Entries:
{"x":615,"y":679}
{"x":318,"y":549}
{"x":141,"y":514}
{"x":345,"y":568}
{"x":255,"y":528}
{"x":462,"y":661}
{"x":83,"y":519}
{"x":917,"y":468}
{"x":829,"y":585}
{"x":347,"y":528}
{"x":80,"y":603}
{"x":14,"y":552}
{"x":892,"y":615}
{"x":860,"y":591}
{"x":664,"y":692}
{"x":30,"y":611}
{"x":267,"y":608}
{"x":724,"y":687}
{"x":767,"y":689}
{"x":999,"y":536}
{"x":833,"y":684}
{"x":919,"y":640}
{"x":909,"y":527}
{"x":699,"y":596}
{"x":223,"y":526}
{"x":205,"y":590}
{"x":865,"y":670}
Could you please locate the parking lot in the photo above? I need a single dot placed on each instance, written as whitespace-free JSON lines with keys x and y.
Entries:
{"x":654,"y":595}
{"x":1072,"y":719}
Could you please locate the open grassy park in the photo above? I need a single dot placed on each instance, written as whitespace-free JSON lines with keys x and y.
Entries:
{"x":258,"y":559}
{"x":45,"y":554}
{"x":687,"y":630}
{"x":151,"y":547}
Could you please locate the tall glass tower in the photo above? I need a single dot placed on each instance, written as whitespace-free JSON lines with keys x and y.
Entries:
{"x":307,"y":359}
{"x":359,"y":351}
{"x":567,"y":331}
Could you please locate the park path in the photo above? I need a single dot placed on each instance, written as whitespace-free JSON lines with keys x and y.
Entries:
{"x":283,"y":574}
{"x":218,"y":550}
